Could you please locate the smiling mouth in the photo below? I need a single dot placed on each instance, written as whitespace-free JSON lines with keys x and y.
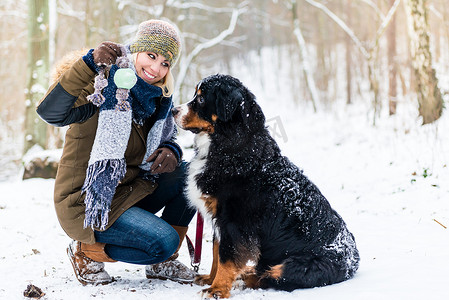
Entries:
{"x":148,"y":75}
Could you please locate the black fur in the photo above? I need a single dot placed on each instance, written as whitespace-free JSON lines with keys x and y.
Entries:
{"x":268,"y":211}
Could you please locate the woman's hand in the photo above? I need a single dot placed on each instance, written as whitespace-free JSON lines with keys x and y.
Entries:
{"x":164,"y":161}
{"x":106,"y":53}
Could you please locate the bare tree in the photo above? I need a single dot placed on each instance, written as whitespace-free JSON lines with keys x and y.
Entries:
{"x":222,"y":35}
{"x":188,"y":15}
{"x":429,"y":95}
{"x":393,"y":66}
{"x":304,"y":56}
{"x":348,"y":56}
{"x":187,"y":60}
{"x":369,"y":53}
{"x":38,"y":66}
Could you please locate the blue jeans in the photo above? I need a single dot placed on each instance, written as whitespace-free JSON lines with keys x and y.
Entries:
{"x":140,"y":237}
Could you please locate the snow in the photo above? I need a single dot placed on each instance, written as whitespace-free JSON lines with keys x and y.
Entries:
{"x":38,"y":152}
{"x":366,"y":172}
{"x":388,"y":182}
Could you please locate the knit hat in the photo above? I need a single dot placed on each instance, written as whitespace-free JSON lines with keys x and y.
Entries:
{"x":159,"y":37}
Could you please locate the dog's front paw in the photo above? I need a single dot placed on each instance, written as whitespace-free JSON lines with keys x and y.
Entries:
{"x":203,"y":280}
{"x":214,"y":293}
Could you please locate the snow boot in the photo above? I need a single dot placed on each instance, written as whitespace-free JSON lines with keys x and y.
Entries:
{"x":172,"y":268}
{"x":88,"y":262}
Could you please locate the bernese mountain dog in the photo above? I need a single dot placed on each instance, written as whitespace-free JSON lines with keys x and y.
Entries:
{"x":264,"y":210}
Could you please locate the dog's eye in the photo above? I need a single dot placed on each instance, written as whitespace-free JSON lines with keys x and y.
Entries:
{"x":200,"y":100}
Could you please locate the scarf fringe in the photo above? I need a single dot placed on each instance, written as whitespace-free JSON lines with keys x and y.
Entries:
{"x":97,"y":99}
{"x":122,"y":100}
{"x":102,"y":178}
{"x":100,"y":83}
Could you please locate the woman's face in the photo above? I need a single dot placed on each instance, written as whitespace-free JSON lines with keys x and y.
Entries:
{"x":151,"y":66}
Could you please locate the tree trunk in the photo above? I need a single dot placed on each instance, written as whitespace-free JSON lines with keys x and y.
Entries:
{"x":392,"y":65}
{"x":322,"y":56}
{"x":429,"y":95}
{"x":374,"y":85}
{"x":348,"y":45}
{"x":304,"y":57}
{"x":38,"y":67}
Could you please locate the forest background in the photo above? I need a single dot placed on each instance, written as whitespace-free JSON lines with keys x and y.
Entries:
{"x":353,"y":92}
{"x":330,"y":52}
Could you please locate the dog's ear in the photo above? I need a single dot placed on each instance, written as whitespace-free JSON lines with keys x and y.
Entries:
{"x":252,"y":114}
{"x":227,"y":103}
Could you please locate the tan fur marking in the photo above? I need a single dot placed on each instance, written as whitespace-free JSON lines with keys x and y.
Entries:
{"x":222,"y":284}
{"x":193,"y":121}
{"x":275,"y":272}
{"x":208,"y":279}
{"x":250,"y":278}
{"x":252,"y":281}
{"x":210,"y":203}
{"x":214,"y":118}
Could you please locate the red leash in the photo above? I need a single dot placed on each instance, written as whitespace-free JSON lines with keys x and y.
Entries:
{"x":195,"y":251}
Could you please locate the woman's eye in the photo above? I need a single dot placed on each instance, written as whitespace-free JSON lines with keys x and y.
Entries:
{"x":167,"y":65}
{"x":151,"y":55}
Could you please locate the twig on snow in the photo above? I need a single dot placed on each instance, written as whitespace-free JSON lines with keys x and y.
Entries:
{"x":440,"y":223}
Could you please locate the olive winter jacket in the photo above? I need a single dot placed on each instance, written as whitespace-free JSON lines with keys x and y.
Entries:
{"x":65,"y":103}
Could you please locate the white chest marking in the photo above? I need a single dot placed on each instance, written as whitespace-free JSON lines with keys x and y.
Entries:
{"x":197,"y":165}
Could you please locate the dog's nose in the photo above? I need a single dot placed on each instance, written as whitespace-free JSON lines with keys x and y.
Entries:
{"x":175,"y":111}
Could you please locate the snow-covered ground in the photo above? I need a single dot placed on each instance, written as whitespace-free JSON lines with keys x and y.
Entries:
{"x":389,"y":183}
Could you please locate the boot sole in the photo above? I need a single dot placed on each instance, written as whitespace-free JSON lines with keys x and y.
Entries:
{"x":78,"y":276}
{"x":178,"y":280}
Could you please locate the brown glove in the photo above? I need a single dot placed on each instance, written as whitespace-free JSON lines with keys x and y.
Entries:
{"x":106,"y":53}
{"x":164,"y":161}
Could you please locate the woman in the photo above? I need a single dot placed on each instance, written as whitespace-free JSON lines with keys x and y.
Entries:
{"x":120,"y":164}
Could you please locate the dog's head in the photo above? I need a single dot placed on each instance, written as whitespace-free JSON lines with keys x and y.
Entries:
{"x":220,"y":101}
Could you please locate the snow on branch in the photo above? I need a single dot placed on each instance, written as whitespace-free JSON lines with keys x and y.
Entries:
{"x":65,"y":9}
{"x":380,"y":31}
{"x":387,"y":20}
{"x":232,"y":42}
{"x":208,"y":44}
{"x":155,"y":11}
{"x":343,"y":26}
{"x":436,"y":12}
{"x":187,"y":5}
{"x":375,"y":7}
